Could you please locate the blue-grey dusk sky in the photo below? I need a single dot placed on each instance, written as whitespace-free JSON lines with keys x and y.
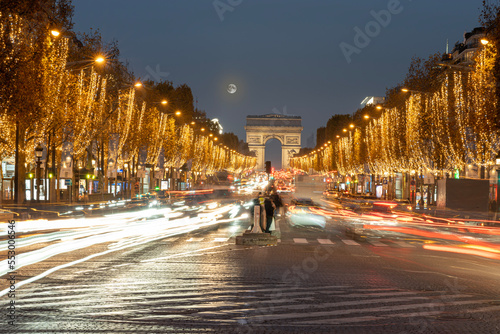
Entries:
{"x":283,"y":55}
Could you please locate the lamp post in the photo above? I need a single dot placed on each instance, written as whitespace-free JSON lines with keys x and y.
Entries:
{"x":124,"y":181}
{"x":38,"y":155}
{"x":497,"y":163}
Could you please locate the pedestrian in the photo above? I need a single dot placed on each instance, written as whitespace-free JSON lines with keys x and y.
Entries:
{"x":269,"y":207}
{"x":277,"y":202}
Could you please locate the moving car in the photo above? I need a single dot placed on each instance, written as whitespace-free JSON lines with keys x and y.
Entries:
{"x":300,"y":214}
{"x":331,"y":194}
{"x":303,"y":201}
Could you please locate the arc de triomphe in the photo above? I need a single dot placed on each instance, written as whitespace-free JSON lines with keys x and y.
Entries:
{"x":287,"y":129}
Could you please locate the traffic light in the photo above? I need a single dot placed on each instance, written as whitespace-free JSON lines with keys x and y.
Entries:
{"x":268,"y":167}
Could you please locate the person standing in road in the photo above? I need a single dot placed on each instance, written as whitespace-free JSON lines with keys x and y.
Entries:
{"x":269,"y":207}
{"x":277,"y":203}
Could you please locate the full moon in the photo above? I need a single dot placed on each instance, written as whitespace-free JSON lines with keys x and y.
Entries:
{"x":231,"y":88}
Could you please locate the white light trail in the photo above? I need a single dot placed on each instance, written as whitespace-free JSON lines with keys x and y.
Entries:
{"x":120,"y":231}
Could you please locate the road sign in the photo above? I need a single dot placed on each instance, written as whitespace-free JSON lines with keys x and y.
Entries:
{"x":67,"y":182}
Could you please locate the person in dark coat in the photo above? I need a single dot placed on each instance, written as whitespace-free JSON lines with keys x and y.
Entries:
{"x":277,"y":203}
{"x":269,"y":207}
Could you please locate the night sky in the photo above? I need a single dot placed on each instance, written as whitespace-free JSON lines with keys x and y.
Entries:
{"x":284,"y":56}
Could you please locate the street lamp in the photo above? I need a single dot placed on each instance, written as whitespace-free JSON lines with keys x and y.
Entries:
{"x":484,"y":41}
{"x":99,"y":59}
{"x":38,"y":155}
{"x":406,"y":90}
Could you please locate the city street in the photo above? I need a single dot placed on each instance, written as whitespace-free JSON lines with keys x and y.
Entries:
{"x":189,"y":276}
{"x":249,"y":167}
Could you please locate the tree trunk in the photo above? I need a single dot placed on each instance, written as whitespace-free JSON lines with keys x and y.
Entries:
{"x":55,"y":177}
{"x":103,"y":181}
{"x":1,"y":184}
{"x":16,"y":166}
{"x":20,"y":173}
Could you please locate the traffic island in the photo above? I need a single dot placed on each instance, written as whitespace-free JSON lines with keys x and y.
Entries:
{"x":256,"y":239}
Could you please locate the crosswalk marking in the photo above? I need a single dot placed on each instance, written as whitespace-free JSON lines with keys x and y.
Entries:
{"x":350,"y":242}
{"x":381,"y":294}
{"x":242,"y":303}
{"x":373,"y":318}
{"x":403,"y":244}
{"x":221,"y":239}
{"x":300,"y":240}
{"x":190,"y":291}
{"x":377,"y":243}
{"x":392,"y":308}
{"x":325,"y":241}
{"x":352,"y":303}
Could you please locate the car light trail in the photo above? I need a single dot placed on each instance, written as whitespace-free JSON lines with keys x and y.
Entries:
{"x":119,"y":230}
{"x":463,"y":250}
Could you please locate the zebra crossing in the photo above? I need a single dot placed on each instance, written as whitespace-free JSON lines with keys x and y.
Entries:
{"x":350,"y":242}
{"x":302,"y":241}
{"x":239,"y":304}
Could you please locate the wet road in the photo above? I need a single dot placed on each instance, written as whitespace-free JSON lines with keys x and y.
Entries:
{"x":196,"y":280}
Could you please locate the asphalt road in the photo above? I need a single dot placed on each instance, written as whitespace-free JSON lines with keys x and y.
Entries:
{"x":198,"y":280}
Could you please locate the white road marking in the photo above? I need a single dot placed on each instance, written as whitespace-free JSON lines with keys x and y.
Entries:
{"x":304,"y":306}
{"x":300,"y":240}
{"x":393,"y":308}
{"x":484,"y":309}
{"x":377,"y":243}
{"x":350,"y":242}
{"x":221,"y":239}
{"x":372,"y":318}
{"x":403,"y":244}
{"x":325,"y":241}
